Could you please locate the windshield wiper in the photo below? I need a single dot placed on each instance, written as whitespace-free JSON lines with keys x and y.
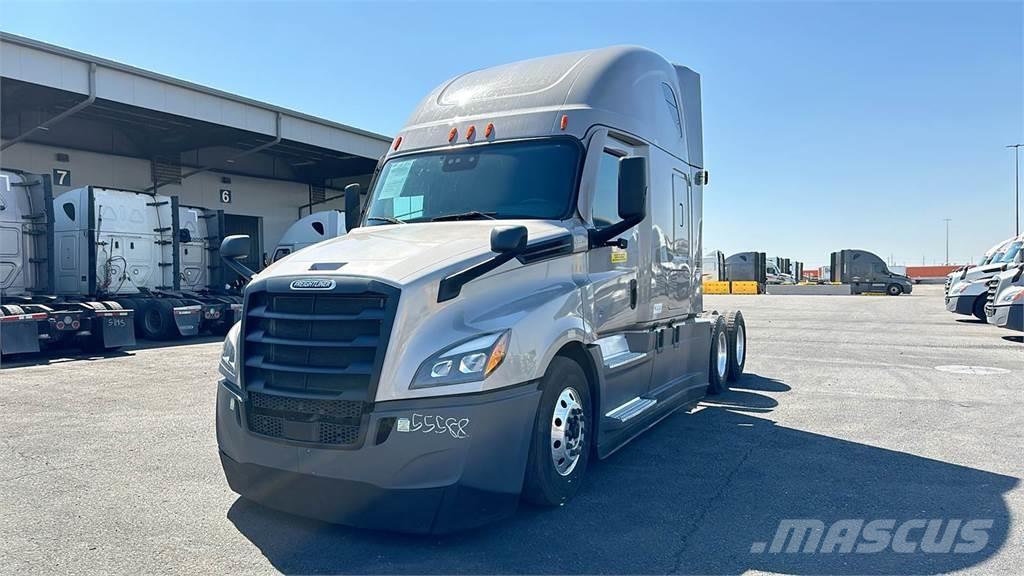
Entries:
{"x":387,"y":219}
{"x":471,"y":215}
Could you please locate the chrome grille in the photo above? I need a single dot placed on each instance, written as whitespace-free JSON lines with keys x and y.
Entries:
{"x":990,"y":299}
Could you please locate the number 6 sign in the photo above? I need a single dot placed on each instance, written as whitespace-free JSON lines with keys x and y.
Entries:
{"x":225,"y":196}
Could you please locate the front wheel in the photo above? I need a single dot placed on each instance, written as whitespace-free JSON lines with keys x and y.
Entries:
{"x":562,"y":436}
{"x":894,"y":290}
{"x":979,"y":308}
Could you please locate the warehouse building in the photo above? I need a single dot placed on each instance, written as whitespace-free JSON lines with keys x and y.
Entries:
{"x":89,"y":121}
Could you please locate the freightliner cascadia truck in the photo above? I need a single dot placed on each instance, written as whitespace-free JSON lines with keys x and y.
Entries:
{"x":520,"y":294}
{"x":867,"y":272}
{"x":32,"y":315}
{"x":968,"y":293}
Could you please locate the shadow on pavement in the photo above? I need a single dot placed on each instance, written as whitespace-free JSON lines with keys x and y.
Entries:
{"x":691,"y":495}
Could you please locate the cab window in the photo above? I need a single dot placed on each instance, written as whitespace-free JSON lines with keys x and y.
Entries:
{"x":606,"y":191}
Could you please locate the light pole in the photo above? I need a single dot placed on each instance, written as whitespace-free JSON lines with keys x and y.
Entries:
{"x":1016,"y":187}
{"x":947,"y":220}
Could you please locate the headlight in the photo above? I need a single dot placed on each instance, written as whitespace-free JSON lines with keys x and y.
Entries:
{"x":228,"y":365}
{"x":958,"y":288}
{"x":1012,"y":296}
{"x":467,"y":361}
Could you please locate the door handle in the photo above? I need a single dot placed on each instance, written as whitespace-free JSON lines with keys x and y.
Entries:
{"x":632,"y":294}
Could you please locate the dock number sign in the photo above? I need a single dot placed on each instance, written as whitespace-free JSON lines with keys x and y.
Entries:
{"x":61,"y":177}
{"x":225,"y":196}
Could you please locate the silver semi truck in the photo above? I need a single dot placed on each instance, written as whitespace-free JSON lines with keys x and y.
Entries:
{"x":520,"y":294}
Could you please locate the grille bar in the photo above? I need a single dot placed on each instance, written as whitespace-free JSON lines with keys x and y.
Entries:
{"x":311,"y":359}
{"x":260,"y":337}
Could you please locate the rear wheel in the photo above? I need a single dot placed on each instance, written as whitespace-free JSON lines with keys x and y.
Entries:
{"x":718,"y":371}
{"x":562,"y":435}
{"x":979,"y":308}
{"x":156,"y":319}
{"x":736,"y":330}
{"x":894,"y":290}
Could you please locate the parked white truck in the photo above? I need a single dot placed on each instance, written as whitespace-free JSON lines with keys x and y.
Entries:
{"x":309,"y":230}
{"x":521,"y":293}
{"x":969,"y":291}
{"x":1005,"y":299}
{"x":32,"y":314}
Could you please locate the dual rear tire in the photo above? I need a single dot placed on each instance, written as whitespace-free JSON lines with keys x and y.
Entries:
{"x":728,"y":351}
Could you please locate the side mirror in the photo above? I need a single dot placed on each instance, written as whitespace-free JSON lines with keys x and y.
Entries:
{"x":351,"y":207}
{"x":632,"y":202}
{"x":633,"y":188}
{"x":234,"y":247}
{"x":508,"y":239}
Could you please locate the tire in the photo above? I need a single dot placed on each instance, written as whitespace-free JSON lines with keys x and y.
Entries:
{"x":894,"y":290}
{"x":736,"y":332}
{"x":718,"y":364}
{"x":155,"y":320}
{"x":565,"y":392}
{"x":979,"y":308}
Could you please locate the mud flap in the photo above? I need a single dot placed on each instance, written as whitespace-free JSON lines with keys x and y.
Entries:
{"x":114,"y":328}
{"x":19,"y":335}
{"x":187,"y":319}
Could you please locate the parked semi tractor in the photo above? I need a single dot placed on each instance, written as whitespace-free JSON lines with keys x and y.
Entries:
{"x":866,"y":272}
{"x":521,"y":294}
{"x":969,"y":292}
{"x":993,"y":253}
{"x":747,"y":267}
{"x":1005,"y":299}
{"x":147,"y":252}
{"x":32,"y":315}
{"x":309,"y":230}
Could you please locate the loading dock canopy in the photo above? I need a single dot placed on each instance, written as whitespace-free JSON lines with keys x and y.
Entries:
{"x":141,"y":114}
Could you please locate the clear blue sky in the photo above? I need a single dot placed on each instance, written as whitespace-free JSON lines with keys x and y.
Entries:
{"x":826,"y":125}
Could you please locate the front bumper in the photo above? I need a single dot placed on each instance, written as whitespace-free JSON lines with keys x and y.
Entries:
{"x":961,"y":304}
{"x":1009,"y":316}
{"x":458,"y":464}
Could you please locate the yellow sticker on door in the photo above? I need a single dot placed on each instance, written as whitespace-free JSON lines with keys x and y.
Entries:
{"x":619,"y":255}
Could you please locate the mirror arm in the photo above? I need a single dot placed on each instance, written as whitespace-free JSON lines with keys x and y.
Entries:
{"x":603,"y":237}
{"x":452,"y":284}
{"x":240,"y":268}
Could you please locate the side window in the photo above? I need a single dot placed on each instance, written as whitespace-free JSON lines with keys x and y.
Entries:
{"x":606,"y":191}
{"x":69,"y":209}
{"x":281,"y":253}
{"x":673,"y":107}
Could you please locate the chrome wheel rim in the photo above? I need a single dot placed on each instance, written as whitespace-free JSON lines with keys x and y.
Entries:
{"x":741,"y":344}
{"x":568,"y":429}
{"x":722,"y":361}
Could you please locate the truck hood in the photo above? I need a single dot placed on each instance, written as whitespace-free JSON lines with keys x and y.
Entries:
{"x":401,"y":253}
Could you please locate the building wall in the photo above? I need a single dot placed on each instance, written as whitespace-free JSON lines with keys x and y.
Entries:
{"x":276,"y":201}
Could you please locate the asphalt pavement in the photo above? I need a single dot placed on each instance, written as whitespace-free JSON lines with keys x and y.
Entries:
{"x":854,"y":408}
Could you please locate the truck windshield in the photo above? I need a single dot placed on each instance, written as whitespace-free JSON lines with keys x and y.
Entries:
{"x":535,"y":180}
{"x":1011,"y":252}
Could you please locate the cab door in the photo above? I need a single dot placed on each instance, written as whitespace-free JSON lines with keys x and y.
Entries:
{"x":612,"y":270}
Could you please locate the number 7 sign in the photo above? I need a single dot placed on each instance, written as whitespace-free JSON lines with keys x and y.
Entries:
{"x":61,"y":177}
